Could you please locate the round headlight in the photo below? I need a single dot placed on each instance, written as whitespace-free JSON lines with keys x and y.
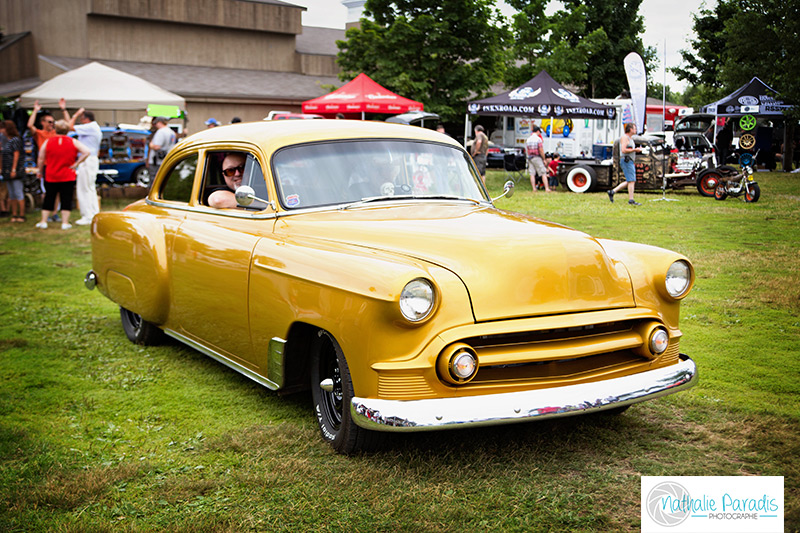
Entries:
{"x":463,"y":365}
{"x":659,"y":341}
{"x":417,"y":299}
{"x":679,"y":276}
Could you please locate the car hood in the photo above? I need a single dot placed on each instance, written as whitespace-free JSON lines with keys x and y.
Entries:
{"x":511,"y":264}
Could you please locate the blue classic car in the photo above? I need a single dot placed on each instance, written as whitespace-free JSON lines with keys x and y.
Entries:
{"x":124,"y":150}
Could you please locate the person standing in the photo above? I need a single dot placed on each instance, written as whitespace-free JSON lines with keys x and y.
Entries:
{"x":627,"y":160}
{"x":479,"y":150}
{"x":59,"y":155}
{"x":13,"y":168}
{"x":162,"y":142}
{"x":534,"y":147}
{"x":724,"y":139}
{"x":86,"y":186}
{"x":47,"y":122}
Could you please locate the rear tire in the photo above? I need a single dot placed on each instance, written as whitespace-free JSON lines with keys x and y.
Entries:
{"x":753,"y":194}
{"x":581,"y":179}
{"x":139,"y":330}
{"x":707,"y":182}
{"x":332,"y":407}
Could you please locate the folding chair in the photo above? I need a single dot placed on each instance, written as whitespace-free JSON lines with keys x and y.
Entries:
{"x":516,"y":166}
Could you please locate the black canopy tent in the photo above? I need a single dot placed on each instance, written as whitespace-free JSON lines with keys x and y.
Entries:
{"x":541,"y":96}
{"x":753,"y":98}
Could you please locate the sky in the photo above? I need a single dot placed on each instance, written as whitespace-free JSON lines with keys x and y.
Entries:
{"x":669,"y":20}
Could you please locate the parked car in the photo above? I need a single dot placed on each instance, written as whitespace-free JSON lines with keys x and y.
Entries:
{"x":288,"y":115}
{"x":422,"y":119}
{"x":495,"y":155}
{"x":124,"y":150}
{"x":656,"y":168}
{"x":366,"y":262}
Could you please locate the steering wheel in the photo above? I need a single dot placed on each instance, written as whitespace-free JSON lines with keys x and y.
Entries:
{"x":747,"y":122}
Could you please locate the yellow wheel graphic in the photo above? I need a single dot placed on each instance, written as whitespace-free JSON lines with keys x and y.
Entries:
{"x":747,"y":122}
{"x":747,"y":141}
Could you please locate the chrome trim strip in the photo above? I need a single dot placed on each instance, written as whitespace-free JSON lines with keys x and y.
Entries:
{"x":246,"y":372}
{"x":495,"y":409}
{"x":275,"y":363}
{"x":211,"y":211}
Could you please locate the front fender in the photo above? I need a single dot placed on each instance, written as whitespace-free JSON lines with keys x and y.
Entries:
{"x":353,"y":293}
{"x":647,"y":266}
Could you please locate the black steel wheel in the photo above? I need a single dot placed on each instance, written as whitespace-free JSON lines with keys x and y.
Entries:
{"x":139,"y":330}
{"x":332,"y":393}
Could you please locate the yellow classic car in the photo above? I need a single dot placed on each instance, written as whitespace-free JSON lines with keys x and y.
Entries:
{"x":367,"y":262}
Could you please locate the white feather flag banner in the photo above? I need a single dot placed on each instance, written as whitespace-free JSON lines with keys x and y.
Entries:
{"x":637,"y":82}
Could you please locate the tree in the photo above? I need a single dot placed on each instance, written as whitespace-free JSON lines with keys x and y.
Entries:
{"x":583,"y":44}
{"x":656,"y":90}
{"x":440,"y":52}
{"x":740,"y":39}
{"x":707,"y":54}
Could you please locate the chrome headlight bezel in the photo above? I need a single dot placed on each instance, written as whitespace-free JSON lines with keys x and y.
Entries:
{"x":678,"y":279}
{"x":417,"y":300}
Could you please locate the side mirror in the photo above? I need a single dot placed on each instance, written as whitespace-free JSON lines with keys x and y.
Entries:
{"x":245,"y":195}
{"x":508,"y":190}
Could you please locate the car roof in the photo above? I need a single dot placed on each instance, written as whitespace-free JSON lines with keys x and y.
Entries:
{"x":272,"y":135}
{"x":703,"y":118}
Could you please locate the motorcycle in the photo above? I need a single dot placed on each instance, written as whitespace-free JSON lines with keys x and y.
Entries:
{"x":740,"y":184}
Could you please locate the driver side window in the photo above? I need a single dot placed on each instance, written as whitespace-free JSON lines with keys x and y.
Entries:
{"x":225,"y":171}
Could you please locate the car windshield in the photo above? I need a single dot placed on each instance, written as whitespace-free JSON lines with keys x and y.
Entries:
{"x":333,"y":173}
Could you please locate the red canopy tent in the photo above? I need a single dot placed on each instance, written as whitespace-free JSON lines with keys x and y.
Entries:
{"x":360,"y":95}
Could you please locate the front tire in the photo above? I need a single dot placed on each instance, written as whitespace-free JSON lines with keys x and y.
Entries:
{"x":141,"y":176}
{"x":581,"y":179}
{"x":720,"y":193}
{"x":332,"y":404}
{"x":752,"y":194}
{"x":139,"y":330}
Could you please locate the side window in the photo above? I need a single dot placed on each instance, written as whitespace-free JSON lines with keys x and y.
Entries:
{"x":225,"y":172}
{"x":178,"y":185}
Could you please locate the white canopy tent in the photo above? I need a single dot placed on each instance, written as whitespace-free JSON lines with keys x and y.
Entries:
{"x":96,"y":86}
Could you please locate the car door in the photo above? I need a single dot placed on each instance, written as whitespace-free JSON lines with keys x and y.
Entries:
{"x":211,"y":256}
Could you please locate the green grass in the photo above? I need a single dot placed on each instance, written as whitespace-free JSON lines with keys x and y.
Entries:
{"x":97,"y":434}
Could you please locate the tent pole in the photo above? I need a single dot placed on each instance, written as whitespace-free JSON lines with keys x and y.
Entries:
{"x":466,"y":129}
{"x":362,"y":115}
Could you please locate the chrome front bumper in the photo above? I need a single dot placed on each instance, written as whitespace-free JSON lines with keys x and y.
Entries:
{"x":494,"y":409}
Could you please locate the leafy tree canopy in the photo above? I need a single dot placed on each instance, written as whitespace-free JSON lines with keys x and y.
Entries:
{"x":440,"y":52}
{"x":582,"y":44}
{"x":739,"y":39}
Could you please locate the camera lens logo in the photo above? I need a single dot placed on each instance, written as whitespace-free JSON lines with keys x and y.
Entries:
{"x":664,"y":504}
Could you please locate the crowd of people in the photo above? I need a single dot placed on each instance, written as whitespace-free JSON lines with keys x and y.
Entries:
{"x":65,"y":153}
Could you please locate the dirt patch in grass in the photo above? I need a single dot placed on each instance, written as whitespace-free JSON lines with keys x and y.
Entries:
{"x":8,"y":344}
{"x":70,"y":489}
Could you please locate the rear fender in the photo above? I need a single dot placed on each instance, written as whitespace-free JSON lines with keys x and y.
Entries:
{"x":130,"y":260}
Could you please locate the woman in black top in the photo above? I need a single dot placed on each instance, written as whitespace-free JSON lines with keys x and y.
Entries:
{"x":13,"y":169}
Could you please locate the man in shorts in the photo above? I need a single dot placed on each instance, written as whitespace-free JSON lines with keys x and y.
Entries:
{"x":534,"y":148}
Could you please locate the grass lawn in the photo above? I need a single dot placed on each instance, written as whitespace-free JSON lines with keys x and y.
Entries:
{"x":99,"y":434}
